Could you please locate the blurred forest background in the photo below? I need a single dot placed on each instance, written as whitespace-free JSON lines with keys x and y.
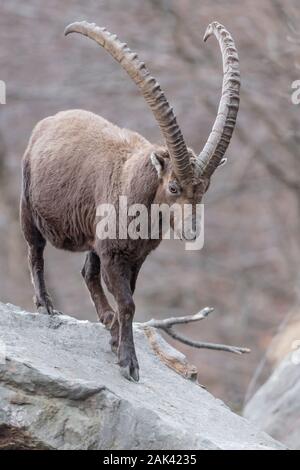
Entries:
{"x":249,"y":267}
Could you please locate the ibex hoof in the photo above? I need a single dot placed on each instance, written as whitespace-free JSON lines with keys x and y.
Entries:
{"x":130,"y":373}
{"x":114,"y":345}
{"x":48,"y":310}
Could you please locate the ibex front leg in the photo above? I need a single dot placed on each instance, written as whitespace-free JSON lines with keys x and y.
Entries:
{"x":118,"y":277}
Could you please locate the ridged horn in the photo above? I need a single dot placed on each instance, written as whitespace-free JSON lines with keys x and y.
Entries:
{"x":224,"y":125}
{"x":150,"y":90}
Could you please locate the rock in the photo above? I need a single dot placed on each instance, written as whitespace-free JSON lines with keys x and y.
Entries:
{"x":60,"y":388}
{"x":275,"y":408}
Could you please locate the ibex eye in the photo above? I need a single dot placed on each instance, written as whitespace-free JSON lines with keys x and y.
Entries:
{"x":173,"y":188}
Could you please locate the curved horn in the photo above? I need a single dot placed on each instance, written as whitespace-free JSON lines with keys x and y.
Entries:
{"x":223,"y":128}
{"x":150,"y":89}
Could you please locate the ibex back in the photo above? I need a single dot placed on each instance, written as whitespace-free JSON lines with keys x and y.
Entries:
{"x":76,"y":161}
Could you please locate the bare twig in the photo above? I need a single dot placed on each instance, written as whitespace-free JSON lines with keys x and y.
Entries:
{"x":167,"y":324}
{"x":203,"y":345}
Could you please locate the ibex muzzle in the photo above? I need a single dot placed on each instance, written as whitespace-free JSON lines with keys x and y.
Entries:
{"x":76,"y":161}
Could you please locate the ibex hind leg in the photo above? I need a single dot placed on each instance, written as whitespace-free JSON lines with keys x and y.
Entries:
{"x":91,"y":274}
{"x":36,"y":245}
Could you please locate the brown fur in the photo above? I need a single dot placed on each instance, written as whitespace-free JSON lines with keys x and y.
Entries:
{"x":75,"y":161}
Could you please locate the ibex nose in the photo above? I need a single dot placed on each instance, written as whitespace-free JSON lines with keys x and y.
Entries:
{"x":191,"y":229}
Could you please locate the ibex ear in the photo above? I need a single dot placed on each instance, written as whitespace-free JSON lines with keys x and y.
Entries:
{"x":222,"y":162}
{"x":159,"y":163}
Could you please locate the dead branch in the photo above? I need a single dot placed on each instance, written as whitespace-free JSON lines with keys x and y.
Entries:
{"x":167,"y":324}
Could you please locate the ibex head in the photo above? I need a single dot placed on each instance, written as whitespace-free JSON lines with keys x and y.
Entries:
{"x":184,"y":176}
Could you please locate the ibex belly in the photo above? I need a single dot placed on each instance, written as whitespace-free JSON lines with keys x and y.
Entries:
{"x":64,"y":233}
{"x":63,"y":210}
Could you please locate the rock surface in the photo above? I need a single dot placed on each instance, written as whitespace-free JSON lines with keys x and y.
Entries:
{"x":275,"y":408}
{"x":60,"y":388}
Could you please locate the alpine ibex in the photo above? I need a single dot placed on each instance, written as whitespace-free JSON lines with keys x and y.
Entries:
{"x":77,"y":160}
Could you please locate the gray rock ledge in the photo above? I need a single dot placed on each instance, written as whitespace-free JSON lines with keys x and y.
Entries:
{"x":60,"y":388}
